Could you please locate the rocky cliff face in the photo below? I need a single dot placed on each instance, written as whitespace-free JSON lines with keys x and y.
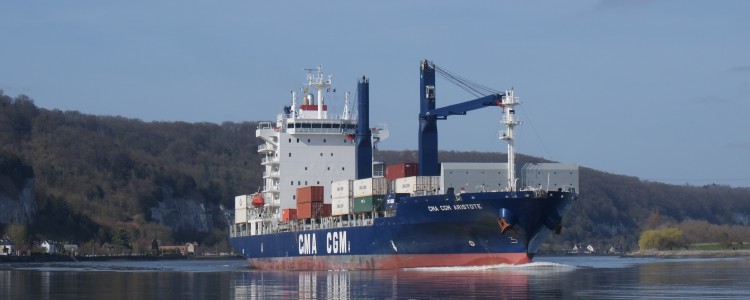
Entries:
{"x":19,"y":208}
{"x":182,"y":213}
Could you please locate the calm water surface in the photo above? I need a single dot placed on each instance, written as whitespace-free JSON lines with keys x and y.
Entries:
{"x":575,"y":277}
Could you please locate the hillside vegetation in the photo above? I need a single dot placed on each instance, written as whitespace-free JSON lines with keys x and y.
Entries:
{"x":96,"y":177}
{"x":96,"y":174}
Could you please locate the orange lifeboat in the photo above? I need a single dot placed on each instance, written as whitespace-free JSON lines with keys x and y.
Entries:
{"x":258,"y":200}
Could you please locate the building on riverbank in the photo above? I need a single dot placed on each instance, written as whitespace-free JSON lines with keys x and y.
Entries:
{"x":187,"y":249}
{"x":7,"y":247}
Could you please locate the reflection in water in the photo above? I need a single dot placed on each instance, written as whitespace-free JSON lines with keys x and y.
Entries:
{"x":337,"y":285}
{"x":4,"y":284}
{"x":45,"y":284}
{"x":495,"y":283}
{"x":594,"y":278}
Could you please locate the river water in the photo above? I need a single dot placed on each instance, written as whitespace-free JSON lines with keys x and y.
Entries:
{"x":571,"y":277}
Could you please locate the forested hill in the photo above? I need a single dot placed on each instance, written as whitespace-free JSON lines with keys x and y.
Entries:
{"x":95,"y":178}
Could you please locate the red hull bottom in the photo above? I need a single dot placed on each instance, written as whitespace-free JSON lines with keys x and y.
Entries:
{"x":387,"y":262}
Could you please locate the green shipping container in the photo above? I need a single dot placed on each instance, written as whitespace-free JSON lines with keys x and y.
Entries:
{"x":367,"y":204}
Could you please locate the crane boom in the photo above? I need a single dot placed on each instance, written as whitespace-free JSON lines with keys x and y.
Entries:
{"x":464,"y":107}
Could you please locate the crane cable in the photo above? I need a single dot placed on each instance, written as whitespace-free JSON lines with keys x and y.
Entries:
{"x":474,"y":88}
{"x":479,"y":90}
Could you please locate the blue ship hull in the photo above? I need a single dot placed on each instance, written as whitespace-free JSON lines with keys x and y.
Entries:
{"x":424,"y":231}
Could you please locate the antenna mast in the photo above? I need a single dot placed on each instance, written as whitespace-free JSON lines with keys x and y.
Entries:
{"x":508,"y":102}
{"x":316,"y":80}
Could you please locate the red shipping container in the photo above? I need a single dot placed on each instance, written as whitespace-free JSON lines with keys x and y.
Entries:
{"x":288,"y":214}
{"x":326,"y":210}
{"x":309,"y":210}
{"x":308,"y":194}
{"x":393,"y":172}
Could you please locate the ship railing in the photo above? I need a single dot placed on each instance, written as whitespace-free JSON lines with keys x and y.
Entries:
{"x":568,"y":188}
{"x":265,"y":125}
{"x":264,"y":228}
{"x":272,"y":188}
{"x":315,"y":130}
{"x":265,"y":147}
{"x":282,"y":116}
{"x":270,"y":174}
{"x":426,"y":192}
{"x":269,"y":159}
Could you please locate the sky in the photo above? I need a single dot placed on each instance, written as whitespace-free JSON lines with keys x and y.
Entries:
{"x":652,"y":89}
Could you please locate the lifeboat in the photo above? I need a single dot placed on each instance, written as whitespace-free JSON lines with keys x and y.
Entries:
{"x":258,"y":200}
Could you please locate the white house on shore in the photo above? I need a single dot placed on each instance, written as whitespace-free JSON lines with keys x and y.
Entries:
{"x":49,"y":247}
{"x":7,"y":247}
{"x":70,"y":248}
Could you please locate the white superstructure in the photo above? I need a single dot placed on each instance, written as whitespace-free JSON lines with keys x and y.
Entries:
{"x":306,"y":146}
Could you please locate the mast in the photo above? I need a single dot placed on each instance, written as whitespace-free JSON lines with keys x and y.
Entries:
{"x":508,"y":102}
{"x":363,"y":136}
{"x":293,"y":109}
{"x":346,"y":115}
{"x":317,"y":81}
{"x":428,"y":133}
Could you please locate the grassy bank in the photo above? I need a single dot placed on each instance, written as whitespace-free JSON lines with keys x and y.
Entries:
{"x":689,"y":253}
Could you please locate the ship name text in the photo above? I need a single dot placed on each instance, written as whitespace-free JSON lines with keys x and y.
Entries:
{"x":433,"y":208}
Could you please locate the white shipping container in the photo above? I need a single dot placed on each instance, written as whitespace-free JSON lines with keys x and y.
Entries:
{"x":414,"y":184}
{"x":240,"y":216}
{"x":369,"y":187}
{"x":341,"y":188}
{"x":340,"y":206}
{"x":241,"y":201}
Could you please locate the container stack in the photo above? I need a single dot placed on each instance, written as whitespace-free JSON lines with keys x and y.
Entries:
{"x":393,"y":172}
{"x":368,"y":194}
{"x":240,"y":208}
{"x":309,"y":202}
{"x":418,"y":185}
{"x":341,"y":197}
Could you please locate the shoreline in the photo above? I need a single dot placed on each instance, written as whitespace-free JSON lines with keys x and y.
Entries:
{"x":687,"y":253}
{"x":67,"y":258}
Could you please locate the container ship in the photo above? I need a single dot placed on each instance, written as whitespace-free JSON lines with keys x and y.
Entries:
{"x":325,"y":205}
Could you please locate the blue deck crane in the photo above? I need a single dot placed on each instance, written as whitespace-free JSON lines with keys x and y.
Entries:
{"x":428,"y":116}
